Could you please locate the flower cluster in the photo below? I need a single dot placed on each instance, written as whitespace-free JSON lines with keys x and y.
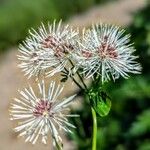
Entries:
{"x":102,"y":50}
{"x":43,"y":114}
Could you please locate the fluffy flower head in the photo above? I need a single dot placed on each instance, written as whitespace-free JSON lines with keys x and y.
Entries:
{"x":42,"y":115}
{"x":47,"y":49}
{"x":105,"y":50}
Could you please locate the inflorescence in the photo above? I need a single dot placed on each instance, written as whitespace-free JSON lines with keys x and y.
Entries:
{"x":102,"y":51}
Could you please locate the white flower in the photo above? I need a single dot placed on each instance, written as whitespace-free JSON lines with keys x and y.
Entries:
{"x":105,"y":50}
{"x":41,"y":115}
{"x":34,"y":61}
{"x":47,"y":49}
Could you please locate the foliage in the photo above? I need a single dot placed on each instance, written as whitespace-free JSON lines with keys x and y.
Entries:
{"x":127,"y":127}
{"x":99,"y":100}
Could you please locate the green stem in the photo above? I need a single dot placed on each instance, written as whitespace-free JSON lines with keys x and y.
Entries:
{"x":58,"y":146}
{"x":77,"y":83}
{"x":74,"y":80}
{"x":82,"y":80}
{"x":94,"y":139}
{"x":79,"y":75}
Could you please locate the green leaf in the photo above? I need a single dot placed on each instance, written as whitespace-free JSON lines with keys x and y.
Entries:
{"x":64,"y":79}
{"x":100,"y":101}
{"x":102,"y":107}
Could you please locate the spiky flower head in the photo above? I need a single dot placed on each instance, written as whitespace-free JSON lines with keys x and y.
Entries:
{"x":43,"y":115}
{"x":106,"y":51}
{"x":47,"y":50}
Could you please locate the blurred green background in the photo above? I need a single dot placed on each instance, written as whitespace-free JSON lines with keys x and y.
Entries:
{"x":17,"y":16}
{"x":127,"y":127}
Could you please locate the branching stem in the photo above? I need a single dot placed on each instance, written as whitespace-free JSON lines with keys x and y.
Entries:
{"x":79,"y":75}
{"x":74,"y":80}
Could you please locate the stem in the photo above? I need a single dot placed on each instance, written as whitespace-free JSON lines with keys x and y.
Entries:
{"x":82,"y":80}
{"x":74,"y":80}
{"x":77,"y":83}
{"x":94,"y":139}
{"x":58,"y":146}
{"x":79,"y":75}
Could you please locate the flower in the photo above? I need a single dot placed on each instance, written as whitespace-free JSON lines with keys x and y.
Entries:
{"x":41,"y":115}
{"x":34,"y":61}
{"x":47,"y":50}
{"x":105,"y":50}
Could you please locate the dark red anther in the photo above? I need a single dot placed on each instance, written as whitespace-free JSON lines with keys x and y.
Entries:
{"x":42,"y":106}
{"x":87,"y":54}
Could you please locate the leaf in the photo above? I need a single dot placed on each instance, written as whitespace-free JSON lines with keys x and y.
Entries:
{"x":102,"y":107}
{"x":64,"y":76}
{"x":100,"y":101}
{"x":63,"y":79}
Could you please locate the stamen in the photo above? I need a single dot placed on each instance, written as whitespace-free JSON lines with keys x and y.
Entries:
{"x":107,"y":50}
{"x":42,"y":109}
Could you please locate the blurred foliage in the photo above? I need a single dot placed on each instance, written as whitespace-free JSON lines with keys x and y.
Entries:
{"x":17,"y":16}
{"x":127,"y":127}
